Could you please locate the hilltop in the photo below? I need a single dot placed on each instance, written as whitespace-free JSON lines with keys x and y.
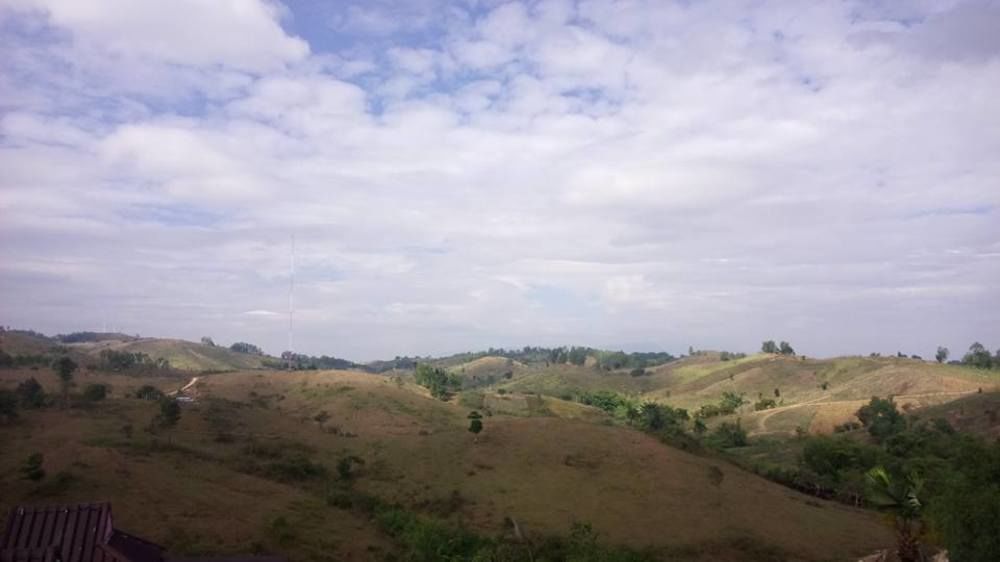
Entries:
{"x":86,"y":348}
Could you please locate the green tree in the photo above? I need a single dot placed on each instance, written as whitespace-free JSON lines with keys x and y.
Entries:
{"x":441,"y":383}
{"x":900,"y":498}
{"x":475,"y":424}
{"x":967,"y":511}
{"x":769,"y":347}
{"x":942,"y":354}
{"x":170,"y":413}
{"x":65,"y":367}
{"x":978,"y":357}
{"x":785,"y":348}
{"x":30,"y":393}
{"x":32,"y":469}
{"x":881,"y":418}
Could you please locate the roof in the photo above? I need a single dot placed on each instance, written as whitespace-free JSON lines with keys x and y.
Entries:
{"x":70,"y":533}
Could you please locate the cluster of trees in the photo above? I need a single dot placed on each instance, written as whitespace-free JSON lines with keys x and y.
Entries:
{"x":728,"y":404}
{"x":948,"y":479}
{"x":244,"y":347}
{"x":302,"y":362}
{"x":115,"y":360}
{"x":730,"y":356}
{"x":90,"y":337}
{"x":673,"y":425}
{"x":783,"y":348}
{"x":441,"y":383}
{"x":8,"y":361}
{"x":979,"y":357}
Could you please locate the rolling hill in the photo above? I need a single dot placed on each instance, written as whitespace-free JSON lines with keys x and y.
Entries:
{"x":182,"y":355}
{"x":545,"y":468}
{"x":814,"y":394}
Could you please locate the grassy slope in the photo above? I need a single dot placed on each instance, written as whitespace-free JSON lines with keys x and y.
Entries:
{"x":698,"y":380}
{"x":546,"y":472}
{"x":183,"y":355}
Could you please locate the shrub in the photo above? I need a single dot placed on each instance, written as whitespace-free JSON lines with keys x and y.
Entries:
{"x":148,"y":392}
{"x":95,"y":392}
{"x":30,"y":394}
{"x":728,"y":435}
{"x":764,"y":404}
{"x":32,"y":469}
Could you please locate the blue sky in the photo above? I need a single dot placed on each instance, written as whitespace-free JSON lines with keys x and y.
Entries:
{"x":459,"y":175}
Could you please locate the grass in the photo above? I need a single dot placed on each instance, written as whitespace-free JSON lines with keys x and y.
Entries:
{"x":199,"y":495}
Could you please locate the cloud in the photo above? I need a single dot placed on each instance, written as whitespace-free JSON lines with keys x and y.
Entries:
{"x":241,"y":34}
{"x":459,"y":176}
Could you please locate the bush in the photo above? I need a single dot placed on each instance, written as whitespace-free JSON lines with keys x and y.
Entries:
{"x":764,"y":404}
{"x":728,"y":435}
{"x":95,"y":392}
{"x":30,"y":394}
{"x":148,"y":392}
{"x":32,"y":469}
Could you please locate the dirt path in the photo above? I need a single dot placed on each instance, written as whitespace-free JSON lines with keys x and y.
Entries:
{"x":762,"y":420}
{"x":192,"y":382}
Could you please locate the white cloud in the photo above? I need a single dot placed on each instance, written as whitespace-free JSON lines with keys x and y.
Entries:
{"x":605,"y":173}
{"x":241,"y":34}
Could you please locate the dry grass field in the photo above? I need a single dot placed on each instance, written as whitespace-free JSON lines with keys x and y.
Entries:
{"x":209,"y":485}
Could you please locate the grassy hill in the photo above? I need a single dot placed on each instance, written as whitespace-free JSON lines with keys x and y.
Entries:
{"x":183,"y":355}
{"x":814,"y":394}
{"x":239,"y":471}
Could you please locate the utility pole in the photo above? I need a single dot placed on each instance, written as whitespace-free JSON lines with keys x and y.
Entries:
{"x":291,"y":303}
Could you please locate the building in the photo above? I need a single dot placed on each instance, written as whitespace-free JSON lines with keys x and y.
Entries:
{"x":84,"y":533}
{"x":71,"y":533}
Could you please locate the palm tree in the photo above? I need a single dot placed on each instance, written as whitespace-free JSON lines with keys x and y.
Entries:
{"x":899,"y":498}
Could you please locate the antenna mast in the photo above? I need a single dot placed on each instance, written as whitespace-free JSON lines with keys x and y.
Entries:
{"x":291,"y":303}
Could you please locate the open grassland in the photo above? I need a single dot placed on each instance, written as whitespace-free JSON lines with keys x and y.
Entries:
{"x":240,"y":471}
{"x":812,"y":394}
{"x":183,"y":355}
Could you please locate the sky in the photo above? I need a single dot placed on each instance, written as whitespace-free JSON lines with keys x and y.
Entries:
{"x":459,"y":175}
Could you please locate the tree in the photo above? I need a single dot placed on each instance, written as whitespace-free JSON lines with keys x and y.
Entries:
{"x":170,"y":413}
{"x":978,"y":357}
{"x":32,"y":468}
{"x":475,"y":424}
{"x":65,"y":367}
{"x":785,"y":348}
{"x":148,"y":392}
{"x":942,"y":354}
{"x":244,"y":347}
{"x":777,"y":393}
{"x":899,"y":496}
{"x":769,"y":347}
{"x":881,"y":418}
{"x":966,"y":513}
{"x":205,"y":340}
{"x":439,"y":382}
{"x":30,"y":394}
